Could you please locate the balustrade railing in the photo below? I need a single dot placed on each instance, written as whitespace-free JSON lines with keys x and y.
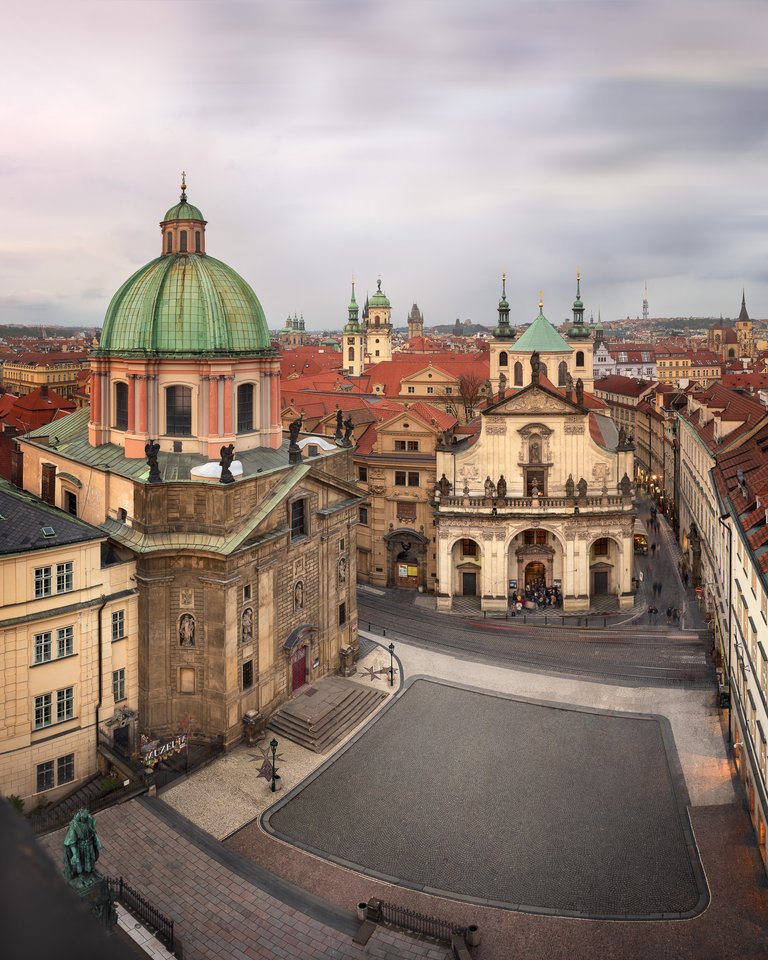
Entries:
{"x":481,"y":503}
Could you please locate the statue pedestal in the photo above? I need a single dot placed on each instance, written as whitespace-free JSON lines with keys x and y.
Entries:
{"x":94,"y":892}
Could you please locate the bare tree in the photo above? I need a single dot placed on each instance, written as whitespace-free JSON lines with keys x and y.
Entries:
{"x":462,"y":399}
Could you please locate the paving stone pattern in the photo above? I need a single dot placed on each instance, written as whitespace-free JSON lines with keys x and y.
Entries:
{"x":505,"y":801}
{"x":218,"y":912}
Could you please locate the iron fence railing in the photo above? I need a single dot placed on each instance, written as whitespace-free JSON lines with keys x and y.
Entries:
{"x":418,"y":923}
{"x":140,"y":908}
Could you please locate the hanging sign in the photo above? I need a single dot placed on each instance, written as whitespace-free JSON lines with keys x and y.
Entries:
{"x":152,"y":751}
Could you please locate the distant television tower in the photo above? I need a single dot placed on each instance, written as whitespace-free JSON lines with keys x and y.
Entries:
{"x":645,"y":304}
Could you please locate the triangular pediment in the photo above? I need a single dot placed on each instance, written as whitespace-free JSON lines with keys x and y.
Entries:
{"x":533,"y":399}
{"x":430,"y":372}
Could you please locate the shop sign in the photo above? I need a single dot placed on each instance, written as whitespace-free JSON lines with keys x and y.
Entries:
{"x":152,"y":751}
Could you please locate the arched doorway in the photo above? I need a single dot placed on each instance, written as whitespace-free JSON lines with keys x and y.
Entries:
{"x":406,"y":559}
{"x":466,"y":558}
{"x":535,"y":575}
{"x":604,"y":567}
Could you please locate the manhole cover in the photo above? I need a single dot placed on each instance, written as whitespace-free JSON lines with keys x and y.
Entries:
{"x":310,"y":692}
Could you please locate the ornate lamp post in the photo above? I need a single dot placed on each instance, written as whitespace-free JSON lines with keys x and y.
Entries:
{"x":391,"y":664}
{"x":273,"y":746}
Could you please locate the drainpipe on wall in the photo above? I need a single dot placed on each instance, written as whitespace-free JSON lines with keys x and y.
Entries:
{"x":104,"y":601}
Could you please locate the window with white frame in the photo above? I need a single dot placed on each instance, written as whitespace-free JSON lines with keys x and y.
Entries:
{"x":118,"y":624}
{"x":43,"y":715}
{"x":65,"y":641}
{"x":64,"y":577}
{"x":42,"y":582}
{"x":118,"y":684}
{"x":42,"y":652}
{"x":65,"y":704}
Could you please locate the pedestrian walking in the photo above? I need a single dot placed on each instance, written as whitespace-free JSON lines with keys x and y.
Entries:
{"x":653,"y":549}
{"x":685,"y":578}
{"x":676,"y":615}
{"x":652,"y":612}
{"x":640,"y":576}
{"x":669,"y":614}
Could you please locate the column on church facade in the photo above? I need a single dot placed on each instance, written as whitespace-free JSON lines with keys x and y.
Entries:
{"x":131,"y":402}
{"x":213,"y":407}
{"x":444,"y":571}
{"x":229,"y":408}
{"x":143,"y":404}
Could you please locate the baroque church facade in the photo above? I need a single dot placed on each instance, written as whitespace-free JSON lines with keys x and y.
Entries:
{"x":244,"y":542}
{"x":542,"y":495}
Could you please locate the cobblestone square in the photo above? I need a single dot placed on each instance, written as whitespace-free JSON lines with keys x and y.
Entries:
{"x":517,"y":803}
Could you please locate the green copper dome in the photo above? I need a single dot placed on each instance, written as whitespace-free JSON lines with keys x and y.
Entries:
{"x":184,"y":305}
{"x":183,"y":211}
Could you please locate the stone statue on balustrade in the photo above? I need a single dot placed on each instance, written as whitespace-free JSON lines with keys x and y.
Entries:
{"x":501,"y":488}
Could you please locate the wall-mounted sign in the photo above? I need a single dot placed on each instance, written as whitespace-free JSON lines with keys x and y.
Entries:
{"x":152,"y":751}
{"x":513,"y":584}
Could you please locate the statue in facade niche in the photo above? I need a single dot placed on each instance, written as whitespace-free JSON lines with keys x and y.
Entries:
{"x":535,"y":366}
{"x":187,"y":630}
{"x":570,"y":486}
{"x":501,"y":488}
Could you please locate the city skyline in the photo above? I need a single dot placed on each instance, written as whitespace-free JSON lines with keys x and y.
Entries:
{"x":432,"y":145}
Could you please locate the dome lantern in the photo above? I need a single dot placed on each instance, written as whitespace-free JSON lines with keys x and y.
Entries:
{"x":183,"y":226}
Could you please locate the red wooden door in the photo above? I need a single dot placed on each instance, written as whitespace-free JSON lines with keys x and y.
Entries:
{"x":299,"y":668}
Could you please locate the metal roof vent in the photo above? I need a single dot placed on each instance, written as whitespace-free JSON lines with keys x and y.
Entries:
{"x":48,"y":532}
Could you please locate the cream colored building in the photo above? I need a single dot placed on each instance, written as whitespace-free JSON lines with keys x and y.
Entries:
{"x":68,"y":646}
{"x":542,"y":495}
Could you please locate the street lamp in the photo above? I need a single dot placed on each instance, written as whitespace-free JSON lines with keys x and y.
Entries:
{"x":273,"y":746}
{"x":391,"y":664}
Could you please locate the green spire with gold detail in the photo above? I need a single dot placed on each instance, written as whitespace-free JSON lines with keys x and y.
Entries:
{"x":183,"y":210}
{"x":353,"y":324}
{"x":578,"y":331}
{"x":503,"y":331}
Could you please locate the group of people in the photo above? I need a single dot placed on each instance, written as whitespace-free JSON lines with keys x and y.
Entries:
{"x":537,"y":595}
{"x":673,"y":615}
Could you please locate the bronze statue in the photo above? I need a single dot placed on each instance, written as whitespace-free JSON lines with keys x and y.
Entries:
{"x":227,"y":456}
{"x":81,"y":848}
{"x":151,"y":450}
{"x":294,"y":429}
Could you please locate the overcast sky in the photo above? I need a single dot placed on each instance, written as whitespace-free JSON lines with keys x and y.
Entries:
{"x":433,"y":143}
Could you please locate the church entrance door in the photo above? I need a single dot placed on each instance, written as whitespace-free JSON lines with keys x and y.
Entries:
{"x":600,"y":579}
{"x":535,"y":574}
{"x":468,"y":584}
{"x":298,"y":668}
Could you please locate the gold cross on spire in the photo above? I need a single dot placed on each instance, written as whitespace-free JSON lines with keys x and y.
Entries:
{"x":183,"y":185}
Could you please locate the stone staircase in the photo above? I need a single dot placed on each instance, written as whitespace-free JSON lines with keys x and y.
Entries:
{"x":324,"y":713}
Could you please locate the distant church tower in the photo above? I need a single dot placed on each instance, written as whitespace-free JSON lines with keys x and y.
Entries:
{"x":645,"y":305}
{"x":415,"y":323}
{"x":500,"y":343}
{"x":744,"y":331}
{"x":354,"y":340}
{"x":378,"y":328}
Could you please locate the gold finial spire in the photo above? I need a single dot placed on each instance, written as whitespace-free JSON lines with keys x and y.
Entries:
{"x":578,"y":273}
{"x":541,"y":299}
{"x":183,"y":185}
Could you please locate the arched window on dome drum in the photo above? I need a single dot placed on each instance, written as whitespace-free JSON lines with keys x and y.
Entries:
{"x":579,"y":358}
{"x":503,"y":359}
{"x":562,"y":373}
{"x":121,"y":406}
{"x":245,"y":407}
{"x":197,"y":241}
{"x":351,"y":353}
{"x":518,"y":380}
{"x":169,"y":242}
{"x":182,"y":241}
{"x":178,"y":412}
